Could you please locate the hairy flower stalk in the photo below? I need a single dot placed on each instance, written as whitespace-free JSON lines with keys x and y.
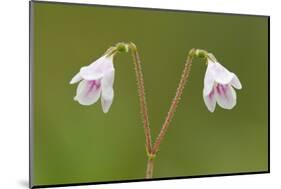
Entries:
{"x":184,"y":77}
{"x":141,"y":91}
{"x":143,"y":106}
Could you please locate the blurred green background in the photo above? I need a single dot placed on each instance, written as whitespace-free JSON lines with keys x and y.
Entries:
{"x":75,"y":143}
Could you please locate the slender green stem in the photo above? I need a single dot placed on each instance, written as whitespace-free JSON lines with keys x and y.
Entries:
{"x":141,"y":91}
{"x":184,"y":78}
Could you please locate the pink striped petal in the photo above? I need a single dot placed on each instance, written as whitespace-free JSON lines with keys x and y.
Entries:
{"x":88,"y":92}
{"x":225,"y":96}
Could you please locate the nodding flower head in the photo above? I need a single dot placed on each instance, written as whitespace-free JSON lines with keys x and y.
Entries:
{"x":218,"y":85}
{"x":95,"y":81}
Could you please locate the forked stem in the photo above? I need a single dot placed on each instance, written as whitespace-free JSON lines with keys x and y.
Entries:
{"x":152,"y":150}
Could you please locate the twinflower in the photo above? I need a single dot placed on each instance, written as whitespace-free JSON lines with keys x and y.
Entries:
{"x":218,"y":85}
{"x":95,"y":81}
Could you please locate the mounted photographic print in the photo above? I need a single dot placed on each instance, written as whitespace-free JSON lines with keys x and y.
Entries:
{"x":121,"y":94}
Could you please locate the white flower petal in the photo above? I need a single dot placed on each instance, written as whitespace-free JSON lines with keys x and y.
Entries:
{"x":76,"y":78}
{"x":106,"y":103}
{"x":107,"y":81}
{"x":91,"y":73}
{"x":88,"y":92}
{"x":96,"y":70}
{"x":225,"y":96}
{"x":235,"y":82}
{"x":107,"y":90}
{"x":220,"y":73}
{"x":208,"y":80}
{"x":210,"y":101}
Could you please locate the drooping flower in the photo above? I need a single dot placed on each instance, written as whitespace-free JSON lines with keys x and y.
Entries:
{"x":218,"y":86}
{"x":96,"y":80}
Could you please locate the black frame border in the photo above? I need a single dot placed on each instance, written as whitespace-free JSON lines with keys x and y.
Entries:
{"x":31,"y":61}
